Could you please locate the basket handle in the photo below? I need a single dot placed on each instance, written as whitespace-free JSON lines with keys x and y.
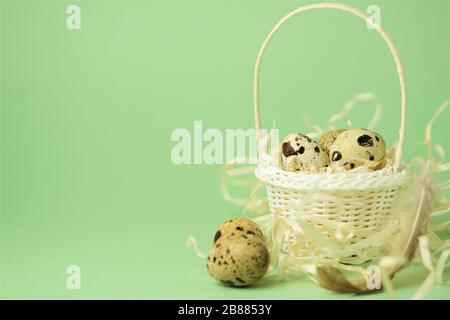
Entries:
{"x":337,"y":6}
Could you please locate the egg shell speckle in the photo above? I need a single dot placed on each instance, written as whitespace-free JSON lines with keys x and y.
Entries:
{"x":238,"y":225}
{"x":356,"y":147}
{"x":327,"y":139}
{"x":300,"y":152}
{"x":238,"y":260}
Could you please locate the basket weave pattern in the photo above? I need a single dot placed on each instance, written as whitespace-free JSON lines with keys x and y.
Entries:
{"x":359,"y":202}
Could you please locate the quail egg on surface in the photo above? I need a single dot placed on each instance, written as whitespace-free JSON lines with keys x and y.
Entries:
{"x":238,"y":260}
{"x":355,"y":147}
{"x":300,"y":152}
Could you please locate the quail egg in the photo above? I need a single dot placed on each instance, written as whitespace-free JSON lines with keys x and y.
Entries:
{"x":300,"y":152}
{"x":238,"y":260}
{"x":356,"y":147}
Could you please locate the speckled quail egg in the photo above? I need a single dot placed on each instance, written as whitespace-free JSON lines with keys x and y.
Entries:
{"x":239,"y":225}
{"x":300,"y":152}
{"x":327,"y":139}
{"x":238,"y":260}
{"x":356,"y":147}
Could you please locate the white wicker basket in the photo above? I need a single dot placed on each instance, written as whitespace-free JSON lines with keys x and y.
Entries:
{"x":360,"y":203}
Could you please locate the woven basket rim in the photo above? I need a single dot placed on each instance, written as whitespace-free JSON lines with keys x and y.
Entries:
{"x":388,"y":170}
{"x":387,"y":177}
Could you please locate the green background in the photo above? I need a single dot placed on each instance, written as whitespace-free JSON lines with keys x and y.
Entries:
{"x":86,"y":119}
